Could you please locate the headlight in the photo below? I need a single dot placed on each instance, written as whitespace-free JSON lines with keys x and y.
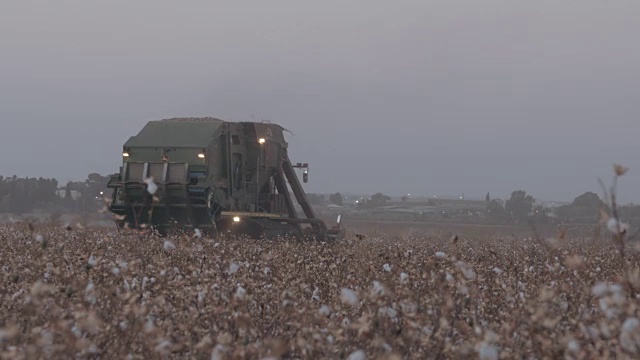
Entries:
{"x":125,"y":154}
{"x":201,"y":155}
{"x":236,"y":219}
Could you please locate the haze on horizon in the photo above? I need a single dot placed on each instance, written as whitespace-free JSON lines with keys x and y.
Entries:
{"x":421,"y":97}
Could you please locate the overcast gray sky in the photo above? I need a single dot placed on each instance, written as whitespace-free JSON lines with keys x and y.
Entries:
{"x":416,"y":97}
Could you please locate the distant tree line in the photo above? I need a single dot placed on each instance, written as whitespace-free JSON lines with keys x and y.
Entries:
{"x":519,"y":208}
{"x":24,"y":195}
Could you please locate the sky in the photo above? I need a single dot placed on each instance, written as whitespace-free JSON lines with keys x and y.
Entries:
{"x":422,"y":97}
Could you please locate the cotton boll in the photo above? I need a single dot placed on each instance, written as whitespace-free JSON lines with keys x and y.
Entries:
{"x":151,"y":185}
{"x":617,"y":227}
{"x":168,"y":245}
{"x":349,"y":297}
{"x":325,"y":310}
{"x":404,"y":277}
{"x":233,"y":268}
{"x":630,"y":335}
{"x":357,"y":355}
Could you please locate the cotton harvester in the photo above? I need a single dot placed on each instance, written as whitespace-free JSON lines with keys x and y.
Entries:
{"x":216,"y":176}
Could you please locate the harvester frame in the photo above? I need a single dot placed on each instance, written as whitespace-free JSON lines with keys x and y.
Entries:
{"x":217,"y":176}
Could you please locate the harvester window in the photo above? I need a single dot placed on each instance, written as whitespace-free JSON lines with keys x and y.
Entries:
{"x":235,"y":140}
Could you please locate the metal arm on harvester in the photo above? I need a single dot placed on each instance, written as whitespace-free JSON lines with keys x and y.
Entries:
{"x":300,"y":195}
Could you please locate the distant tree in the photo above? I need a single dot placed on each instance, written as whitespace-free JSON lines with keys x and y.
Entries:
{"x":584,"y":209}
{"x":588,"y":200}
{"x":496,"y":212}
{"x":69,"y":201}
{"x":336,"y":199}
{"x":487,"y":198}
{"x":404,"y":198}
{"x":519,"y":206}
{"x":379,"y":199}
{"x":540,"y":214}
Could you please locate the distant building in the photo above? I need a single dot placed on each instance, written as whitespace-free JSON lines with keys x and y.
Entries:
{"x":75,"y":195}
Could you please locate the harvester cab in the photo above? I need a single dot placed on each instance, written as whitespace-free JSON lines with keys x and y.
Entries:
{"x":217,"y":176}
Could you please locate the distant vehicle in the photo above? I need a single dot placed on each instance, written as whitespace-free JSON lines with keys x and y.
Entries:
{"x":216,"y":176}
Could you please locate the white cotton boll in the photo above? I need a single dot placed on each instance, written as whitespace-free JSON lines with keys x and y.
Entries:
{"x":39,"y":238}
{"x":602,"y":289}
{"x":218,"y":352}
{"x":440,"y":254}
{"x":92,"y":261}
{"x":614,"y":226}
{"x":168,"y":245}
{"x":630,"y":335}
{"x":197,"y":233}
{"x":449,"y":277}
{"x":233,"y":268}
{"x":466,"y":270}
{"x":76,"y":331}
{"x":240,"y":293}
{"x":151,"y":185}
{"x":349,"y":296}
{"x":115,"y":271}
{"x":89,"y":295}
{"x":162,"y":346}
{"x":315,"y":296}
{"x":330,"y":339}
{"x":404,"y":277}
{"x":488,"y":352}
{"x":325,"y":311}
{"x":149,"y":326}
{"x":388,"y":311}
{"x":378,"y":288}
{"x":386,"y":267}
{"x":573,"y":346}
{"x":357,"y":355}
{"x":497,"y":270}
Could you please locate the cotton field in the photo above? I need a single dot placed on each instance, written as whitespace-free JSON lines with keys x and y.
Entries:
{"x":81,"y":292}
